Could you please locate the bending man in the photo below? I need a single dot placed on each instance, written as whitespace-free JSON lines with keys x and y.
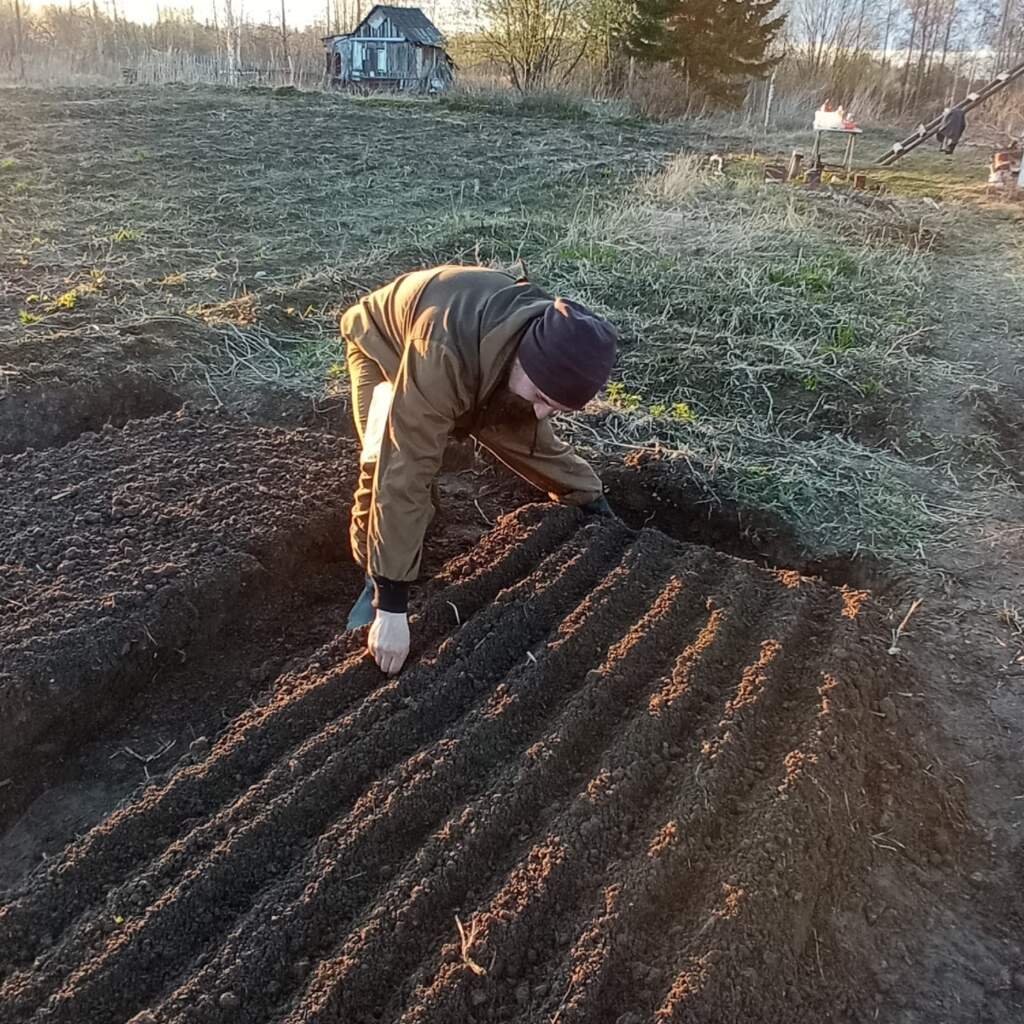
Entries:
{"x":459,"y":351}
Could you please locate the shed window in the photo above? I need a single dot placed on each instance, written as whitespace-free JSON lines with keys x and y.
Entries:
{"x":375,"y":58}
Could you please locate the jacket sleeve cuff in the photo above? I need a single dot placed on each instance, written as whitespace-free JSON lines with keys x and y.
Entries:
{"x":392,"y":595}
{"x":598,"y":507}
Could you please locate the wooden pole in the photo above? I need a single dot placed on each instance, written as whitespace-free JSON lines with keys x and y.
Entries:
{"x":768,"y":101}
{"x":284,"y":46}
{"x":17,"y":41}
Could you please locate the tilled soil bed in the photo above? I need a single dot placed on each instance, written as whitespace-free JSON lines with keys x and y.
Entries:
{"x":50,"y":415}
{"x":622,"y":780}
{"x":125,"y":550}
{"x":53,"y":389}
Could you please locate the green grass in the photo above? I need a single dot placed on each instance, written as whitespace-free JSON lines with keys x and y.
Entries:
{"x":918,"y":184}
{"x":766,"y":336}
{"x":774,"y":340}
{"x":925,"y":173}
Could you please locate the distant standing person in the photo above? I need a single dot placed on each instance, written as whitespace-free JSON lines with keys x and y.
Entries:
{"x":950,"y":129}
{"x":462,"y":351}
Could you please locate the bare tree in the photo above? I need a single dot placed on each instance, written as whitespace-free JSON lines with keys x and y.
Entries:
{"x":232,"y":39}
{"x":538,"y":43}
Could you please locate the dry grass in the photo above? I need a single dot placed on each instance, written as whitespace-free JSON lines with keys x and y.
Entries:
{"x":681,"y":179}
{"x":782,"y":342}
{"x":186,"y":198}
{"x":779,"y":342}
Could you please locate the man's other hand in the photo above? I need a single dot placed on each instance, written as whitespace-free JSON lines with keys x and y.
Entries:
{"x":389,"y":640}
{"x":598,"y":507}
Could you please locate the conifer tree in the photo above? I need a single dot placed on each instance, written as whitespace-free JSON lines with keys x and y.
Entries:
{"x":716,"y":45}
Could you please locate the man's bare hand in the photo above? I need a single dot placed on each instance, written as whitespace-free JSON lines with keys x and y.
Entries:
{"x":389,"y":640}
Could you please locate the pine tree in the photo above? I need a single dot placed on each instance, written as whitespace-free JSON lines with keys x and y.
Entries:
{"x":716,"y":45}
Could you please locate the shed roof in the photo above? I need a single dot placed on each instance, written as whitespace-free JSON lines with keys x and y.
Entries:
{"x":410,"y":22}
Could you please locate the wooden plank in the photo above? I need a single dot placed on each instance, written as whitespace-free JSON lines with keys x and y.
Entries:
{"x":969,"y":102}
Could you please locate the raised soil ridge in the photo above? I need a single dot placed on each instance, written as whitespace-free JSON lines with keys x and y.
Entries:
{"x":622,"y":779}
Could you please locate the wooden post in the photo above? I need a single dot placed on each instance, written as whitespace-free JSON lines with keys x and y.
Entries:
{"x":768,"y":101}
{"x":816,"y":151}
{"x":284,"y":45}
{"x":17,"y":40}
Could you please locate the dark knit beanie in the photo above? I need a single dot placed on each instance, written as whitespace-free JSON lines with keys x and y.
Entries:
{"x":568,"y":353}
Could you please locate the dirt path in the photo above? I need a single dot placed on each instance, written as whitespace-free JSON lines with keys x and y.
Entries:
{"x":625,"y":738}
{"x":968,"y":637}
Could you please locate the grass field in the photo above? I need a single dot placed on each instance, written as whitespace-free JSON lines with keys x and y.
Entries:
{"x":781,"y":341}
{"x":625,"y":775}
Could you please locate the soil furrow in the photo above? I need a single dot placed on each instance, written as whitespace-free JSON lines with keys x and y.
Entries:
{"x":259,"y":738}
{"x":573,"y":873}
{"x":762,"y":713}
{"x":621,"y":763}
{"x":614,"y":806}
{"x":444,"y":868}
{"x":148,"y":948}
{"x":783,"y":888}
{"x":53,"y":414}
{"x":467,"y":761}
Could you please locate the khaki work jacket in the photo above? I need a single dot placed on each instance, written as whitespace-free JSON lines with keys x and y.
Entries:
{"x":445,"y":339}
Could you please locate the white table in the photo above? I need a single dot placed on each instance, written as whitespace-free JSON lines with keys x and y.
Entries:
{"x":851,"y":137}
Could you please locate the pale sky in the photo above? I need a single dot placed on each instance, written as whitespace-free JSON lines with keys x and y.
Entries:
{"x":298,"y":12}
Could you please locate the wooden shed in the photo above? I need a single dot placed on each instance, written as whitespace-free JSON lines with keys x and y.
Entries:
{"x":392,"y":48}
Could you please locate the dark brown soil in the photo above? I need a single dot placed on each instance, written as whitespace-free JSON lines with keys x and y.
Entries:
{"x":647,"y":488}
{"x":55,"y":413}
{"x":649,"y":781}
{"x":68,"y":779}
{"x":126,"y":551}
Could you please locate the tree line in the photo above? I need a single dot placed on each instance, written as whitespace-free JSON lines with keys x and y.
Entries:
{"x":880,"y":58}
